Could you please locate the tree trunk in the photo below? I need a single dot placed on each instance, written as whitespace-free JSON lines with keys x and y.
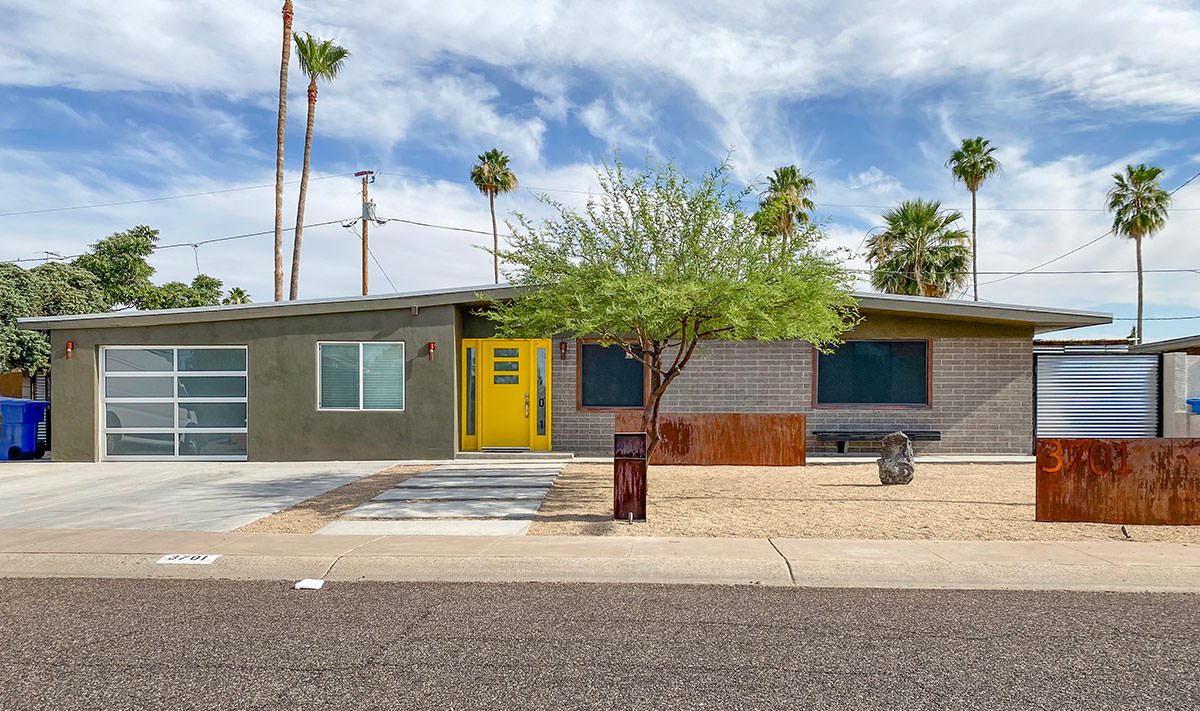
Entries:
{"x":1138,"y":243}
{"x":974,"y":250}
{"x":495,"y":237}
{"x":308,"y":132}
{"x":279,"y":133}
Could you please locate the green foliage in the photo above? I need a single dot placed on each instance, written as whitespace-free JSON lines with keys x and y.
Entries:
{"x":785,"y":203}
{"x":1139,"y":208}
{"x":491,"y":174}
{"x":237,"y":295}
{"x":1138,"y":204}
{"x":119,"y":264}
{"x":921,"y":253}
{"x":203,"y":291}
{"x":973,"y":162}
{"x":319,"y":59}
{"x":668,"y":261}
{"x":47,"y":290}
{"x":27,"y":351}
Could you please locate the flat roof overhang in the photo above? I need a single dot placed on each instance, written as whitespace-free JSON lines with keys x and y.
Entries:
{"x":1042,"y":320}
{"x":1188,"y":344}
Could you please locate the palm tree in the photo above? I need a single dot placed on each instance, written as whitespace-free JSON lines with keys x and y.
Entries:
{"x":236,"y":295}
{"x":1139,"y":208}
{"x":920,"y":252}
{"x":972,"y":164}
{"x":492,"y":176}
{"x":319,"y":59}
{"x":785,"y":203}
{"x":279,"y":131}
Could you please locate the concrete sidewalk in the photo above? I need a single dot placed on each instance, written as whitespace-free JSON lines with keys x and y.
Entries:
{"x":1116,"y":565}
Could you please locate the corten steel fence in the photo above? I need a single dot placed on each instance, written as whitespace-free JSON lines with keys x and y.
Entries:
{"x":1137,"y":481}
{"x":748,"y":439}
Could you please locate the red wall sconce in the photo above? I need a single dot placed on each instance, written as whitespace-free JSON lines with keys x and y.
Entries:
{"x":70,"y":349}
{"x":432,"y":346}
{"x":562,"y":350}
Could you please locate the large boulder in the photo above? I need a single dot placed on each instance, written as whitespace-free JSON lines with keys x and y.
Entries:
{"x":896,"y":460}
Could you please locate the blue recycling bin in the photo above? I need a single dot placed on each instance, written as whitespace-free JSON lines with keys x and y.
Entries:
{"x":19,"y":420}
{"x":1194,"y":403}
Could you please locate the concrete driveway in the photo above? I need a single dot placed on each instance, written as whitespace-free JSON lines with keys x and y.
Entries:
{"x":189,"y":496}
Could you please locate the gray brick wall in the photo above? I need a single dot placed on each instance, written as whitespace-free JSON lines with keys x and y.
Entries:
{"x":982,"y":395}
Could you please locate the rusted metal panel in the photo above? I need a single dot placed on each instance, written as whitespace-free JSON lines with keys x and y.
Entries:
{"x":749,"y":439}
{"x":629,"y":476}
{"x":1141,"y":481}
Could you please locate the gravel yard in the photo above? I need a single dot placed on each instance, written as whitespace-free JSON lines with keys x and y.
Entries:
{"x":944,"y":501}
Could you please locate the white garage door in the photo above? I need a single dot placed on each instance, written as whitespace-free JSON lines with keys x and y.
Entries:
{"x":173,"y":402}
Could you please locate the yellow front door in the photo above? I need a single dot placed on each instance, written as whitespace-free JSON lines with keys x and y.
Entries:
{"x":506,"y":394}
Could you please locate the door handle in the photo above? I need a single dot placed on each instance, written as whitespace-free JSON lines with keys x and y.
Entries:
{"x":527,"y":406}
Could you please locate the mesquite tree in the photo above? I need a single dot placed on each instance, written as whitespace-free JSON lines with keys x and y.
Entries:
{"x":658,"y":262}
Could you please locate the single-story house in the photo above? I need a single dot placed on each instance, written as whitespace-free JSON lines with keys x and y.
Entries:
{"x":420,"y":375}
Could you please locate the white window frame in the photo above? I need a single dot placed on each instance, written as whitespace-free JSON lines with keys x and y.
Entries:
{"x":360,"y":344}
{"x":174,"y":373}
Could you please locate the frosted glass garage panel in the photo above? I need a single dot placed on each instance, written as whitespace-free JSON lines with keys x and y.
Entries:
{"x":148,"y":444}
{"x":217,"y":444}
{"x":212,"y":414}
{"x":137,"y":414}
{"x":193,"y":359}
{"x":141,"y":387}
{"x":139,"y":360}
{"x":212,"y":386}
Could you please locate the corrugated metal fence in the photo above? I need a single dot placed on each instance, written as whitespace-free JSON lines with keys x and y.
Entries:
{"x":1097,"y":395}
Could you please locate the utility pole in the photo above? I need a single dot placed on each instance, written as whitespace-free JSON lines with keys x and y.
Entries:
{"x":366,"y":217}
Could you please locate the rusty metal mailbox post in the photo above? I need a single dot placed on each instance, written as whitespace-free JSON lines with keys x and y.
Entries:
{"x":629,"y":476}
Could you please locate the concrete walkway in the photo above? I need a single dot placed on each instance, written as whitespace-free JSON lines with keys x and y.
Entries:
{"x":461,"y":498}
{"x":1108,"y":565}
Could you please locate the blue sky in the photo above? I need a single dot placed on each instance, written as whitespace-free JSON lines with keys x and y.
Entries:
{"x":103,"y":103}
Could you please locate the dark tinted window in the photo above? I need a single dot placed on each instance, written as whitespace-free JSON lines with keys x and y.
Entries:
{"x":874,"y":373}
{"x":609,"y":379}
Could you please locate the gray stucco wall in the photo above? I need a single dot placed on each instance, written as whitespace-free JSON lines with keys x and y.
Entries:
{"x":981,"y":390}
{"x":283,"y":420}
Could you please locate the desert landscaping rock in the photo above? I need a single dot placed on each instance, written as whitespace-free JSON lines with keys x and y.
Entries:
{"x":896,"y":463}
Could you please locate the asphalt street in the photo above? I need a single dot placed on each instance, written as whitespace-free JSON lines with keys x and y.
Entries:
{"x":115,"y":644}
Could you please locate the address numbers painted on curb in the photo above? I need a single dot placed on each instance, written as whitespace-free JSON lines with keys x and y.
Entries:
{"x":188,"y":559}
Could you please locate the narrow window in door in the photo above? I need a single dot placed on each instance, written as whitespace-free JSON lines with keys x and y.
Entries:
{"x":541,"y":391}
{"x":470,"y":391}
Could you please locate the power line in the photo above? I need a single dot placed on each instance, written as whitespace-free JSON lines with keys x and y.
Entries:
{"x":196,"y":244}
{"x":1082,"y":246}
{"x":350,"y":228}
{"x":44,"y":210}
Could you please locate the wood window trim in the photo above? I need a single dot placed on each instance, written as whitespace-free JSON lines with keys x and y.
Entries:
{"x":579,"y":406}
{"x":928,"y":405}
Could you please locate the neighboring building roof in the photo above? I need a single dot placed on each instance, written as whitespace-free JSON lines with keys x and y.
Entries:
{"x":1041,"y":319}
{"x":1188,"y":344}
{"x":1081,"y":345}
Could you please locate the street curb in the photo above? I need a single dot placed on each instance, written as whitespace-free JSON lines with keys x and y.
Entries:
{"x":825,"y":563}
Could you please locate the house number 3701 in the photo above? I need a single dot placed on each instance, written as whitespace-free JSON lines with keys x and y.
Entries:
{"x":1098,"y":456}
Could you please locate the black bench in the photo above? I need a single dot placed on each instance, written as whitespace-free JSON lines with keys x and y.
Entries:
{"x":844,"y":436}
